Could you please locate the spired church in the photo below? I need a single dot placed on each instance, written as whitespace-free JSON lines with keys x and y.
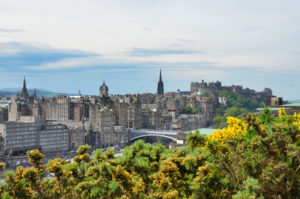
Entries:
{"x":160,"y":85}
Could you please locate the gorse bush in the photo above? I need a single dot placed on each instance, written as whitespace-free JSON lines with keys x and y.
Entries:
{"x":254,"y":157}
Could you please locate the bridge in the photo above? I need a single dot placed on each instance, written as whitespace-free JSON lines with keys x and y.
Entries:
{"x":171,"y":136}
{"x":148,"y":133}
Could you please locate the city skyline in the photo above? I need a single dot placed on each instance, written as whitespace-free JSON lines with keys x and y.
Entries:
{"x":75,"y":45}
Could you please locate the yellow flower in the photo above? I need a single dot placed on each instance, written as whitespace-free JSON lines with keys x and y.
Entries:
{"x":235,"y":127}
{"x":262,"y":128}
{"x":281,"y":112}
{"x":297,"y":120}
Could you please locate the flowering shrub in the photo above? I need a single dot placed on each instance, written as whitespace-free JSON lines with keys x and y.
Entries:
{"x":235,"y":127}
{"x":297,"y":120}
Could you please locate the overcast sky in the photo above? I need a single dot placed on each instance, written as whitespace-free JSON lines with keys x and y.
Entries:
{"x":67,"y":45}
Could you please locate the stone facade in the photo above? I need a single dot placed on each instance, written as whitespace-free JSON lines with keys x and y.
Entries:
{"x":54,"y":138}
{"x":77,"y":136}
{"x":19,"y":137}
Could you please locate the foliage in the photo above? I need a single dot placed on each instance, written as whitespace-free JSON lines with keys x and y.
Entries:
{"x":220,"y":122}
{"x":237,"y":106}
{"x":257,"y":156}
{"x":250,"y":187}
{"x":240,"y":101}
{"x":195,"y":139}
{"x":190,"y":110}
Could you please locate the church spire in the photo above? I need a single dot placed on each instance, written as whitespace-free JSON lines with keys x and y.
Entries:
{"x":24,"y":90}
{"x":160,"y":79}
{"x":160,"y":85}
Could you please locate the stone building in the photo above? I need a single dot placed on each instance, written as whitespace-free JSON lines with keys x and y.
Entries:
{"x":13,"y":112}
{"x":20,"y":137}
{"x":189,"y":122}
{"x":108,"y":117}
{"x":53,"y":138}
{"x":104,"y":121}
{"x":26,"y":132}
{"x":77,"y":137}
{"x":134,"y":115}
{"x":63,"y":109}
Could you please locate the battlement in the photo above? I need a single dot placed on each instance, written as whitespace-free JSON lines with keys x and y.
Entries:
{"x":212,"y":87}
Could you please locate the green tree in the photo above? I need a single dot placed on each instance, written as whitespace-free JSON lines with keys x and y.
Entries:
{"x":220,"y":122}
{"x":187,"y":110}
{"x":235,"y":111}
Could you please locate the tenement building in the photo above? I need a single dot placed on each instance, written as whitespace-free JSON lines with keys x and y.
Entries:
{"x":22,"y":133}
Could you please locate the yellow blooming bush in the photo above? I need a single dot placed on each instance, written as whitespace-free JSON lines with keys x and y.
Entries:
{"x":235,"y":127}
{"x":297,"y":120}
{"x":281,"y":112}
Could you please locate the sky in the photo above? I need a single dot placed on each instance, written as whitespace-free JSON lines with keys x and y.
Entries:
{"x":71,"y":45}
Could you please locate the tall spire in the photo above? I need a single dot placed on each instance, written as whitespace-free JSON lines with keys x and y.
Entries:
{"x":160,"y":79}
{"x":24,"y":90}
{"x":160,"y":85}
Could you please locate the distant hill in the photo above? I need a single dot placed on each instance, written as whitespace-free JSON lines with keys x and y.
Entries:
{"x":294,"y":101}
{"x":7,"y":92}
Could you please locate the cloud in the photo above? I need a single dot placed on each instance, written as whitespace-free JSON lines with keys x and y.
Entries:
{"x":146,"y":29}
{"x":15,"y":55}
{"x":5,"y":30}
{"x":185,"y":40}
{"x":250,"y":28}
{"x":147,"y":52}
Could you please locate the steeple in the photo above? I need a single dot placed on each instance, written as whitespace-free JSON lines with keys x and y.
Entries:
{"x":24,"y":90}
{"x":160,"y":85}
{"x":160,"y":79}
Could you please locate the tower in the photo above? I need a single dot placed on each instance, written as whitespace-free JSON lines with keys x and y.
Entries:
{"x":103,"y":90}
{"x":160,"y":85}
{"x":24,"y":90}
